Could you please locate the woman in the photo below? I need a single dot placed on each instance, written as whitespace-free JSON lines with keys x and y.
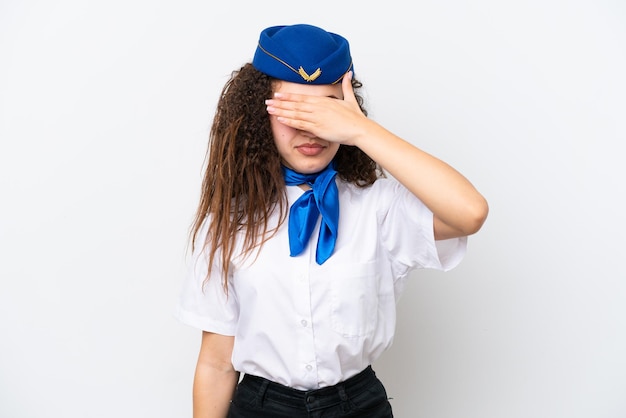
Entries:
{"x":301,"y":242}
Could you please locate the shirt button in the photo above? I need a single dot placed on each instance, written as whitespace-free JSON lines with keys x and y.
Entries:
{"x":304,"y":323}
{"x":309,"y":367}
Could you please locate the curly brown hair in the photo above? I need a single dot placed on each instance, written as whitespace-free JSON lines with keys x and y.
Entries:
{"x":243,"y":182}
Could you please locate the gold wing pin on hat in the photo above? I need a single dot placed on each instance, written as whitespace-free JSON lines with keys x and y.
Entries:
{"x":311,"y":77}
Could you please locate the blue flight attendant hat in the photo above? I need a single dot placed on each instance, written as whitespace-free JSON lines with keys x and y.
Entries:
{"x":302,"y":54}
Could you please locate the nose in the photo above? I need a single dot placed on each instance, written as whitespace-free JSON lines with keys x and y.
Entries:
{"x":307,"y":134}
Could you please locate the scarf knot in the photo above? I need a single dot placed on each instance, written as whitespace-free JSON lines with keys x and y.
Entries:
{"x":321,"y":199}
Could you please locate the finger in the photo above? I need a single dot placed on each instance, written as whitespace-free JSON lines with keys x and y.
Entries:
{"x":287,"y":111}
{"x":290,"y":102}
{"x":299,"y":124}
{"x":293,"y":98}
{"x":346,"y":86}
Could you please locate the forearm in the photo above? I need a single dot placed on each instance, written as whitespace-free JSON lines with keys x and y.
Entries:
{"x":213,"y":388}
{"x":215,"y":379}
{"x":447,"y":193}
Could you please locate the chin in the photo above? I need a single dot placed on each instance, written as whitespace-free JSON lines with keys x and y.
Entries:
{"x":311,"y":168}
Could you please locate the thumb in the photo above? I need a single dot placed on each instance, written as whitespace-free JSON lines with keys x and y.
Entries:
{"x":346,"y":87}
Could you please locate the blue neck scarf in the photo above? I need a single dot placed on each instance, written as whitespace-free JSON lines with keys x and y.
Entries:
{"x":322,"y":198}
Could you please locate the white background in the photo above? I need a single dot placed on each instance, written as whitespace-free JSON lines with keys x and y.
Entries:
{"x":105,"y":108}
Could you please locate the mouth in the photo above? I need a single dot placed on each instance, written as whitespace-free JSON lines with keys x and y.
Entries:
{"x":311,"y":149}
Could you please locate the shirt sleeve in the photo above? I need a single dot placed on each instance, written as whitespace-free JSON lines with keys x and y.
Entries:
{"x":203,"y":302}
{"x":407,"y":234}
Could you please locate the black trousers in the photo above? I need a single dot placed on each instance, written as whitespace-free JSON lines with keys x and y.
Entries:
{"x":362,"y":396}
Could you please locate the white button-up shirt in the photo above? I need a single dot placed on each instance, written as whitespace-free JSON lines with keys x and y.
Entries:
{"x":306,"y":325}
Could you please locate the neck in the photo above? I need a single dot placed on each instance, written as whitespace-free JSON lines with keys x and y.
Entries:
{"x":293,"y":177}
